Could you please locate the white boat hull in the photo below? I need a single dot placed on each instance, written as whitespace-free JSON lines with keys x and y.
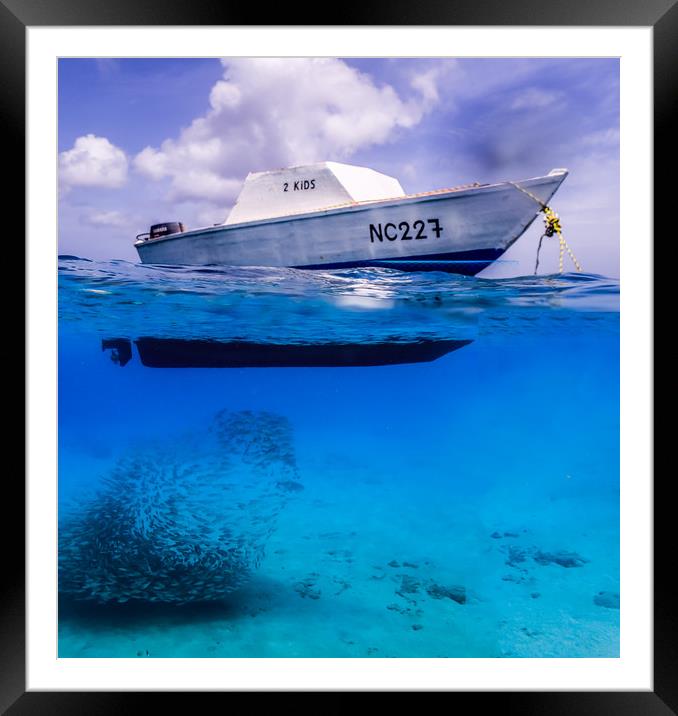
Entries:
{"x":461,"y":231}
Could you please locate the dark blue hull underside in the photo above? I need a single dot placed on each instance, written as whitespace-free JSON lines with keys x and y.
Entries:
{"x":468,"y":263}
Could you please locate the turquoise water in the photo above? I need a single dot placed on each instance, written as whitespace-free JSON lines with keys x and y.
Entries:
{"x":461,"y":500}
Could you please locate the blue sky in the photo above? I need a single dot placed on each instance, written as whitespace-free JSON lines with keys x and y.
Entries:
{"x":142,"y":141}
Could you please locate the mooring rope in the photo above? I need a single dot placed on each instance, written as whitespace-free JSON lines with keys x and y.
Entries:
{"x":552,"y":226}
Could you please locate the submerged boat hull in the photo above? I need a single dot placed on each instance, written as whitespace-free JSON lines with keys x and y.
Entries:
{"x":187,"y":353}
{"x":462,"y":231}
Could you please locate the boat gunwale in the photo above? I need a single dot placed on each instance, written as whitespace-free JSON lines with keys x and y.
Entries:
{"x":423,"y":197}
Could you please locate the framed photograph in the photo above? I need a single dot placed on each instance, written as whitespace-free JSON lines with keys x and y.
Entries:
{"x":329,"y":383}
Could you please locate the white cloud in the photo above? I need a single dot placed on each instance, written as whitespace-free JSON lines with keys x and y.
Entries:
{"x":203,"y":184}
{"x":533,"y":98}
{"x":602,"y":139}
{"x":107,"y":218}
{"x":152,"y":163}
{"x":225,"y":95}
{"x":427,"y":84}
{"x":93,"y":161}
{"x":274,"y":112}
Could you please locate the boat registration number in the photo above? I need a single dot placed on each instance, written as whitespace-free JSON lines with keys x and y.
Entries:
{"x":403,"y":231}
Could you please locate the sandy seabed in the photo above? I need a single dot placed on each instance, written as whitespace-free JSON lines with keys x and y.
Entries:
{"x":371,"y":564}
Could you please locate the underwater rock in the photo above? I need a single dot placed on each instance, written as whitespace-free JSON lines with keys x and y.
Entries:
{"x":290,"y":485}
{"x":564,"y":559}
{"x":406,"y":611}
{"x":610,"y":600}
{"x":515,"y":556}
{"x":417,"y":627}
{"x":499,"y":535}
{"x":306,"y":587}
{"x":343,"y":585}
{"x":456,"y":592}
{"x":393,"y":563}
{"x":522,"y":576}
{"x":408,"y":585}
{"x":517,"y":578}
{"x":181,"y":521}
{"x":340,"y":555}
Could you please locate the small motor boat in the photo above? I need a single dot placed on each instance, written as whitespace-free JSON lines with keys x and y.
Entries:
{"x":331,"y":215}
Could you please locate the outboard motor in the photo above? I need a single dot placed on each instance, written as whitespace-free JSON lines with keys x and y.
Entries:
{"x":121,"y":350}
{"x":159,"y":230}
{"x":169,"y":227}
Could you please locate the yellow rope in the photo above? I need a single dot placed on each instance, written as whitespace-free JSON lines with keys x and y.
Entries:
{"x":529,"y":193}
{"x":572,"y":256}
{"x":552,"y":221}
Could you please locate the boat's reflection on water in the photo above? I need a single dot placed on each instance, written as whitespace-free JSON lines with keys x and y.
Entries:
{"x":207,"y":353}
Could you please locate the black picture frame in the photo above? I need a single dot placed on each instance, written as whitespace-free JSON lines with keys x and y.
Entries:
{"x":17,"y":15}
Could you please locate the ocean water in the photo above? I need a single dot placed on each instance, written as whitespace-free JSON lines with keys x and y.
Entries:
{"x":265,"y":462}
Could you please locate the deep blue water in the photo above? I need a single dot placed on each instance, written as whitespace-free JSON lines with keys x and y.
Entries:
{"x":466,"y":505}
